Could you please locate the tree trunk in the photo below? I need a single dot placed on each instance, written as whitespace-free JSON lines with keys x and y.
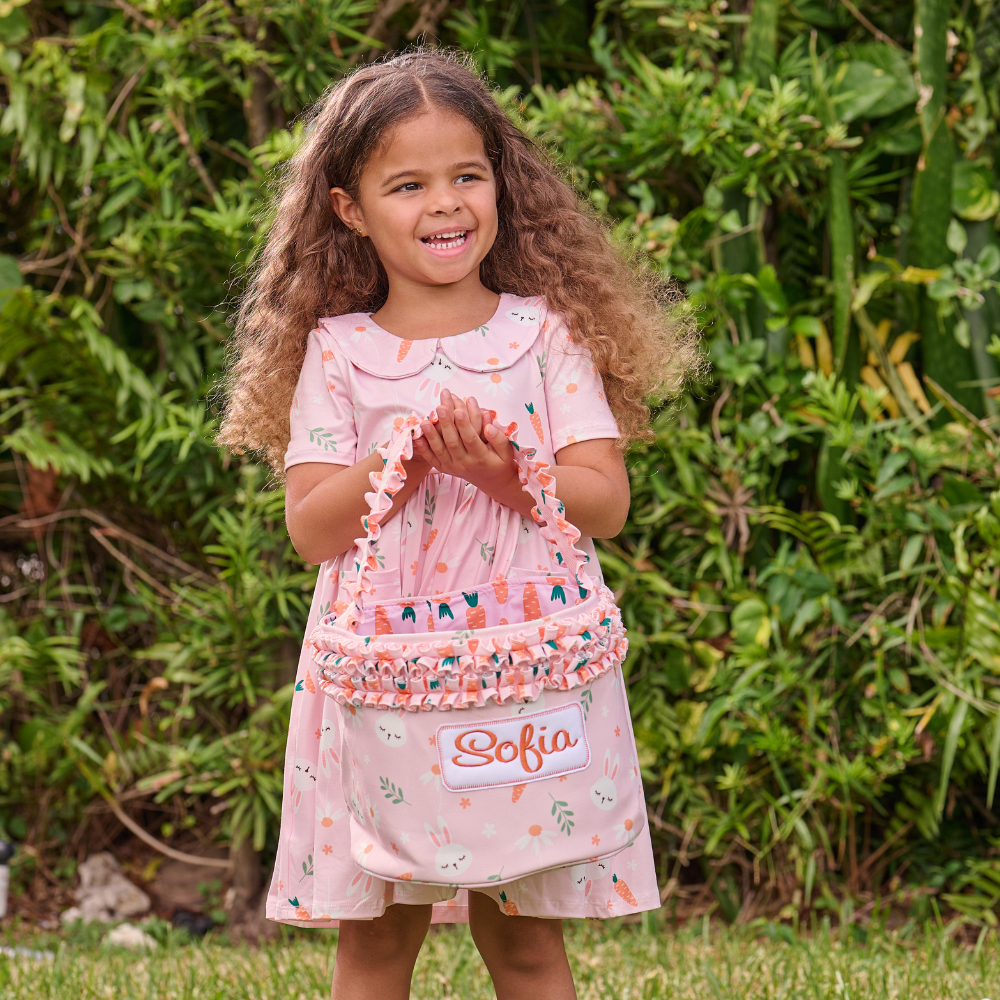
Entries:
{"x":983,"y":323}
{"x":840,"y":222}
{"x":246,"y":897}
{"x":760,"y":42}
{"x":943,"y":357}
{"x":256,"y":108}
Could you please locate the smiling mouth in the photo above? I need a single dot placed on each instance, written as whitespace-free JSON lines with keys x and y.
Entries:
{"x":446,"y":241}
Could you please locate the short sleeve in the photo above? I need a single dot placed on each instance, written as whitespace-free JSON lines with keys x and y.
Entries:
{"x":322,"y":414}
{"x":577,"y":406}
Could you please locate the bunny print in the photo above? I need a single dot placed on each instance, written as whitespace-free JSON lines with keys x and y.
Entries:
{"x":303,"y":780}
{"x":327,"y":741}
{"x":451,"y":859}
{"x":440,"y":371}
{"x":584,"y":876}
{"x":523,"y":315}
{"x":603,"y":792}
{"x":391,"y":729}
{"x":524,"y":707}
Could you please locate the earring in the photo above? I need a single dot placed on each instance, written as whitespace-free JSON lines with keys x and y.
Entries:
{"x":358,"y":231}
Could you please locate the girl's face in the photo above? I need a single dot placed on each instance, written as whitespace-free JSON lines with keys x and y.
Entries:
{"x":427,"y":200}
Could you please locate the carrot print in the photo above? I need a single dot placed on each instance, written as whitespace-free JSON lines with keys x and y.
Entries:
{"x":532,"y":609}
{"x":508,"y":907}
{"x":409,"y":615}
{"x":536,"y":422}
{"x":430,"y":623}
{"x":382,"y":626}
{"x":310,"y":686}
{"x":430,"y":539}
{"x":404,"y":349}
{"x":443,"y":610}
{"x":474,"y":614}
{"x":500,"y":589}
{"x":517,"y":792}
{"x":624,"y":891}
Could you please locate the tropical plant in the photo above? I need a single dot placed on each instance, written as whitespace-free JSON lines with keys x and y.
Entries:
{"x":810,"y":570}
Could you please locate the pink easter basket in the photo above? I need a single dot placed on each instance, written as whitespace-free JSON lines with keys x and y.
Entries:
{"x":478,"y":755}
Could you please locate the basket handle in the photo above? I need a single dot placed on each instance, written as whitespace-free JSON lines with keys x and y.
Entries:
{"x":548,"y":512}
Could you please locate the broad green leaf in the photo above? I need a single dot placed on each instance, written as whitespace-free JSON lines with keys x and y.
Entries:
{"x":973,"y":190}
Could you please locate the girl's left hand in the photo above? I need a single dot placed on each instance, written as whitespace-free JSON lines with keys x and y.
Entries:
{"x":454,"y":445}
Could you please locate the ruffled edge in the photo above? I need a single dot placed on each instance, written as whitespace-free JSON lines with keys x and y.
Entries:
{"x":477,"y":691}
{"x":464,"y":679}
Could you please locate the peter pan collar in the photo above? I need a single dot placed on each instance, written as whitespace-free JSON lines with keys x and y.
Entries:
{"x":492,"y":347}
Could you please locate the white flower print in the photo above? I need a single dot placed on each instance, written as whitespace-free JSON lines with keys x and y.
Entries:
{"x":604,"y":711}
{"x":326,"y":815}
{"x":434,"y":774}
{"x":536,"y":837}
{"x":353,"y":716}
{"x":632,"y":865}
{"x":489,"y":830}
{"x":623,"y":831}
{"x":404,"y":838}
{"x":493,"y":385}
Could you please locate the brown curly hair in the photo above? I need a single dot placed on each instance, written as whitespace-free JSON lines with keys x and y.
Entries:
{"x":547,"y":244}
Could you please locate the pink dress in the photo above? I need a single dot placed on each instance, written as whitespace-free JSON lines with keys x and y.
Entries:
{"x":356,"y":380}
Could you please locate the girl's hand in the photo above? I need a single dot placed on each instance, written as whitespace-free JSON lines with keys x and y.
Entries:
{"x":455,"y":445}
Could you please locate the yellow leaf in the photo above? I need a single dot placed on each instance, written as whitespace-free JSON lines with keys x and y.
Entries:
{"x":912,"y":384}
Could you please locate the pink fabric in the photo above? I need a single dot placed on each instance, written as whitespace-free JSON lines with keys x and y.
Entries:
{"x":356,"y":381}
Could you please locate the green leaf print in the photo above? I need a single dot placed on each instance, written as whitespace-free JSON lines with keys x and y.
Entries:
{"x":541,"y":359}
{"x":429,"y":505}
{"x":562,"y":815}
{"x":319,"y":436}
{"x":482,"y":330}
{"x":586,"y":700}
{"x":307,"y":868}
{"x":394,"y":794}
{"x":486,"y":552}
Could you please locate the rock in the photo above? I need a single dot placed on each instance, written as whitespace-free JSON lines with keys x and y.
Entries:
{"x":178,"y":886}
{"x":70,"y":916}
{"x":129,"y":936}
{"x":105,"y":894}
{"x":196,"y":924}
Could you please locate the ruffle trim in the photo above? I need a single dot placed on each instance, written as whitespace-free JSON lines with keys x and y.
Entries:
{"x":520,"y":670}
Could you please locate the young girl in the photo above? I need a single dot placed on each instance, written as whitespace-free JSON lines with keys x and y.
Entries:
{"x":442,"y":268}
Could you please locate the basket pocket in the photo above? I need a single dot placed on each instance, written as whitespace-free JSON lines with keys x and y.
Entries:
{"x":501,"y":602}
{"x":408,"y":825}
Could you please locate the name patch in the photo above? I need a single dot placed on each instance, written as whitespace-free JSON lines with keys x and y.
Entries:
{"x":513,"y":751}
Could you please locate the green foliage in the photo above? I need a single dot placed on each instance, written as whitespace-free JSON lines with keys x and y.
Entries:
{"x":810,"y":571}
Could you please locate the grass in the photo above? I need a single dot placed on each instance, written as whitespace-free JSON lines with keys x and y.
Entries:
{"x":609,"y":961}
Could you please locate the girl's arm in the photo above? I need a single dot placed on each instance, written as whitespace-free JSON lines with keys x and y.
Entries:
{"x":324,"y":503}
{"x":591,"y":478}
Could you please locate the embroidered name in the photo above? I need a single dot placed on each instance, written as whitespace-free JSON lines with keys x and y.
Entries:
{"x":513,"y":751}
